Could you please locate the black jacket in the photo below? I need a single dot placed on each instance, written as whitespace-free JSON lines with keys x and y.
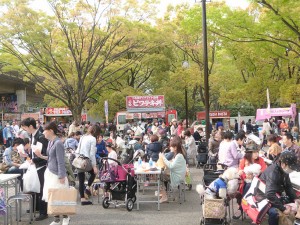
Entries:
{"x":277,"y":181}
{"x":153,"y":150}
{"x":39,"y":137}
{"x":197,"y":136}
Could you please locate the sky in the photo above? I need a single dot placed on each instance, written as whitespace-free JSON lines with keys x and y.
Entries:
{"x":233,"y":3}
{"x":41,"y":4}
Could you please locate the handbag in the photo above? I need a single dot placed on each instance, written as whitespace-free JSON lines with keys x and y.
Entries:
{"x":4,"y":167}
{"x":82,"y":163}
{"x":107,"y":173}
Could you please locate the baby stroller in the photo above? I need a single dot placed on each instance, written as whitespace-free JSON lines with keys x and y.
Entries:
{"x":214,"y":211}
{"x":201,"y":154}
{"x":120,"y":185}
{"x":210,"y":173}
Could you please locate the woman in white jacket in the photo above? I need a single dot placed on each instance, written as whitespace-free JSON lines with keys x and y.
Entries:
{"x":177,"y":166}
{"x":87,"y":147}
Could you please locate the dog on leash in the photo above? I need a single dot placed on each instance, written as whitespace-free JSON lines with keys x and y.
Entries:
{"x":226,"y":183}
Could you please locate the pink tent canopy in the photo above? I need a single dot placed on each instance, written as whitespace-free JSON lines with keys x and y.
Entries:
{"x":262,"y":114}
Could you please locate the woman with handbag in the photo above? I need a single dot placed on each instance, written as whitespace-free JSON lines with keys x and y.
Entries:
{"x":87,"y":148}
{"x":55,"y":174}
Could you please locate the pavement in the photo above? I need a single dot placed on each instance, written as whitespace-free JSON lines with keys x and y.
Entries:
{"x":171,"y":213}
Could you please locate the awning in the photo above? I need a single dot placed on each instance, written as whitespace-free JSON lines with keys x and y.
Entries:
{"x":55,"y":115}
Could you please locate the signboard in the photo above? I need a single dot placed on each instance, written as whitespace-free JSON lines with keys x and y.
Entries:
{"x":12,"y":116}
{"x":131,"y":116}
{"x":214,"y":114}
{"x":33,"y":115}
{"x":8,"y":103}
{"x":84,"y":117}
{"x":262,"y":114}
{"x":58,"y":111}
{"x":145,"y":102}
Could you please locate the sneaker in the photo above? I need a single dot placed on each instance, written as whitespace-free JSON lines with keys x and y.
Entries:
{"x":66,"y":221}
{"x":86,"y":203}
{"x":55,"y":223}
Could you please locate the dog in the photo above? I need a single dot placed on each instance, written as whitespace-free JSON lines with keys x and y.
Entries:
{"x":226,"y":183}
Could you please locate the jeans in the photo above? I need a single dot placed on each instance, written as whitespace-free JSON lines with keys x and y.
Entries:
{"x":273,"y":216}
{"x":8,"y":142}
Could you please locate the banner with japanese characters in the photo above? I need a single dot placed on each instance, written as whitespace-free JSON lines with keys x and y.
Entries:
{"x":140,"y":102}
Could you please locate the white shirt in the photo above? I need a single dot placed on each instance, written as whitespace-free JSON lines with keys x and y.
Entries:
{"x":173,"y":130}
{"x":112,"y":155}
{"x":223,"y":149}
{"x":191,"y":144}
{"x":87,"y":147}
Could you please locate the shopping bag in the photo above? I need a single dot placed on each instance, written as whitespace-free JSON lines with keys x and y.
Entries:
{"x":31,"y":182}
{"x":62,"y":201}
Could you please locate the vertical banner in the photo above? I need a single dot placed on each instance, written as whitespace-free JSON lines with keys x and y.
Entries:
{"x":106,"y":110}
{"x":268,"y":100}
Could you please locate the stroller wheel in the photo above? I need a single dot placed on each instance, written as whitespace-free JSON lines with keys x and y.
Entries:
{"x":134,"y":199}
{"x":129,"y":204}
{"x":105,"y":203}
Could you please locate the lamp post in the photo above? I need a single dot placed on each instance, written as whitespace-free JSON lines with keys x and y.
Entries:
{"x":185,"y":65}
{"x":205,"y":63}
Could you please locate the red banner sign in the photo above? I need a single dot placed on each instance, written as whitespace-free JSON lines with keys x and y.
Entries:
{"x":153,"y":101}
{"x":214,"y":114}
{"x":57,"y":111}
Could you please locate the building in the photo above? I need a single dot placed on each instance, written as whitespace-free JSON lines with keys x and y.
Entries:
{"x":17,"y":97}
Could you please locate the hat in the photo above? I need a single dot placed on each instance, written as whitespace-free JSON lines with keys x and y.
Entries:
{"x":290,"y":159}
{"x":174,"y":120}
{"x":252,"y":148}
{"x":109,"y":144}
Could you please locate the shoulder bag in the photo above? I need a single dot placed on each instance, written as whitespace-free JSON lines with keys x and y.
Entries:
{"x":81,"y":162}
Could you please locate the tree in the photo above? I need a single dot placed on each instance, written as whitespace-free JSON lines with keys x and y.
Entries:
{"x":70,"y":55}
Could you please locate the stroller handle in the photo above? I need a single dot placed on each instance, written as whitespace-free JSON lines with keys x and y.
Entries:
{"x":107,"y":158}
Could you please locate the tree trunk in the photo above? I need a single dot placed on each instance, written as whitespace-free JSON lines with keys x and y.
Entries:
{"x":76,"y":111}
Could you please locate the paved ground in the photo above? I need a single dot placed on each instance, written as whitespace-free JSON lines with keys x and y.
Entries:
{"x":171,"y":213}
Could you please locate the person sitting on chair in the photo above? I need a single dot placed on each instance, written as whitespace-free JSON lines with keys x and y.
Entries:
{"x":277,"y":180}
{"x":177,"y":166}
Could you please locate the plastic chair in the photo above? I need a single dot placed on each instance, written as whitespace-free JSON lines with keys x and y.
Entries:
{"x":180,"y":189}
{"x":17,"y":199}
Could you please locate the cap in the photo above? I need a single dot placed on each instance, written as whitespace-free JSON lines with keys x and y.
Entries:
{"x":252,"y":148}
{"x":174,"y":120}
{"x":289,"y":158}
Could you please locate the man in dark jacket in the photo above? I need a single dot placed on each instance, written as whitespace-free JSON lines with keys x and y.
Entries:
{"x":29,"y":124}
{"x":277,"y":180}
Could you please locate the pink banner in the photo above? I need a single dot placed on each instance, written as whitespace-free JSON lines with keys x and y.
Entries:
{"x":262,"y":114}
{"x":153,"y":101}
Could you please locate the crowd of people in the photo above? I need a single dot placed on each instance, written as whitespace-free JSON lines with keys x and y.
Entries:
{"x":174,"y":145}
{"x":271,"y":159}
